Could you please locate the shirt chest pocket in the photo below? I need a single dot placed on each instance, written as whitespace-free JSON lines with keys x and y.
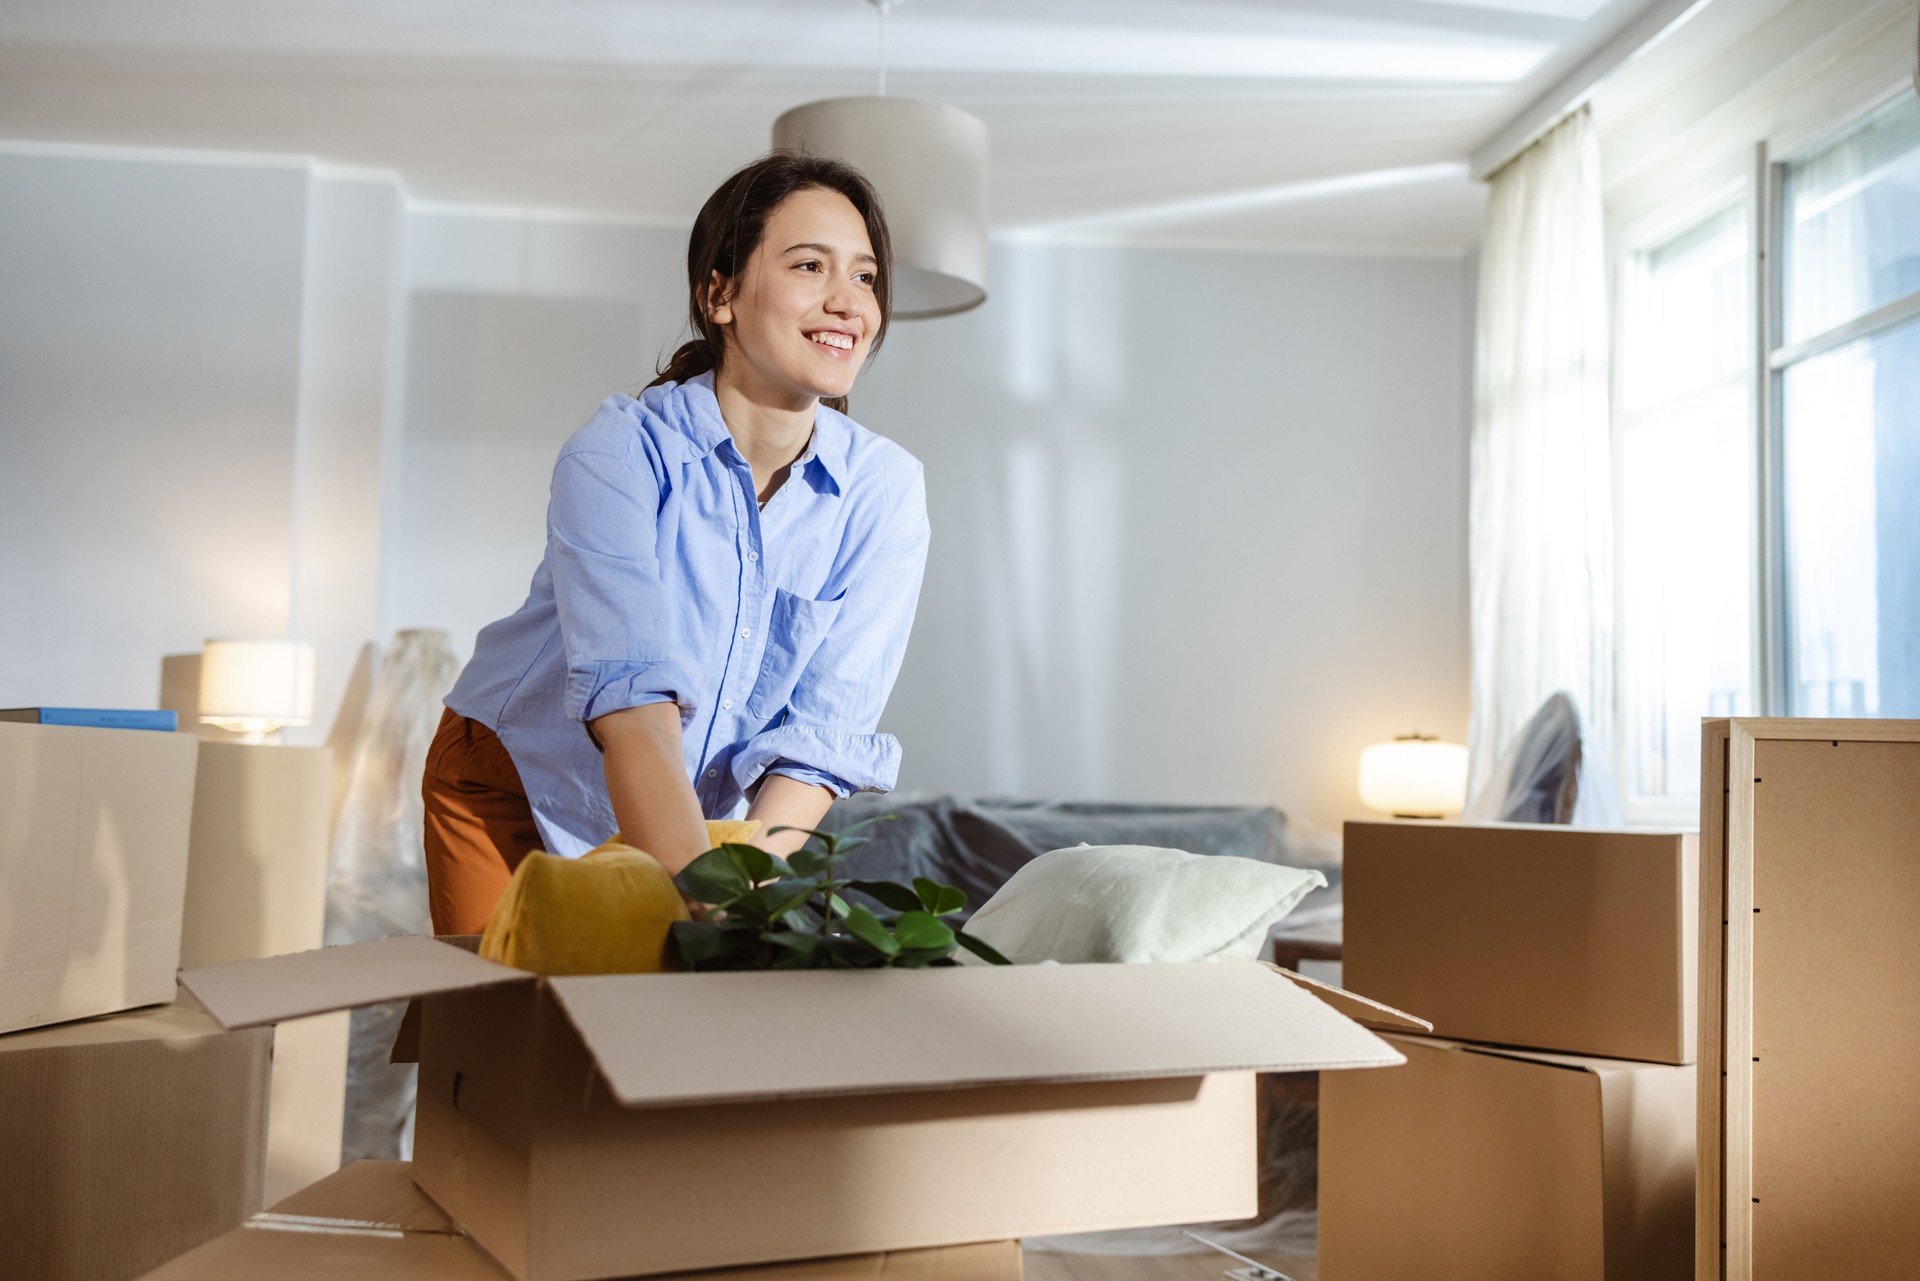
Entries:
{"x":794,"y":632}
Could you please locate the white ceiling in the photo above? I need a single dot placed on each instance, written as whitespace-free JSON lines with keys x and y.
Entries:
{"x":1318,"y":124}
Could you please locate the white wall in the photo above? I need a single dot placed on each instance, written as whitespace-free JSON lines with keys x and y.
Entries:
{"x":1199,"y":517}
{"x":149,"y":356}
{"x":1199,"y":524}
{"x":193,"y":399}
{"x":516,"y":330}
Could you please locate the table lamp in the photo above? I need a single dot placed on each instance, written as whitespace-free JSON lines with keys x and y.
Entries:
{"x":254,"y":687}
{"x":1414,"y":776}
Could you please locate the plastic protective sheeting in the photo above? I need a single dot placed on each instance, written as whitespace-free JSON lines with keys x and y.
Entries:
{"x":377,"y":877}
{"x":1284,"y":1231}
{"x":1550,"y":774}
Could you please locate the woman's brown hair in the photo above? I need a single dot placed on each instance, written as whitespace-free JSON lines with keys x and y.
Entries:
{"x":728,"y":230}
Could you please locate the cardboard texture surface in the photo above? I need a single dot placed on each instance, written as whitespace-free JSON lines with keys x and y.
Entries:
{"x":257,"y":886}
{"x":369,"y":1220}
{"x":1506,"y":1165}
{"x":257,"y":859}
{"x":937,"y":1108}
{"x":557,"y":1180}
{"x":1558,"y":938}
{"x":1810,"y":1167}
{"x":127,"y":1139}
{"x":93,"y":864}
{"x":256,"y":993}
{"x":1019,"y":1023}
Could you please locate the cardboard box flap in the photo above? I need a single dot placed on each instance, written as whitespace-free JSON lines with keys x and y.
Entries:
{"x":1592,"y":1064}
{"x":1356,"y":1007}
{"x":251,"y":993}
{"x":968,"y":1025}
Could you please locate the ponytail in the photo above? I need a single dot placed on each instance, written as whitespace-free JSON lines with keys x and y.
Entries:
{"x":690,"y":361}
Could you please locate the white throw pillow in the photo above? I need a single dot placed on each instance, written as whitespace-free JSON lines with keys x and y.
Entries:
{"x":1138,"y":903}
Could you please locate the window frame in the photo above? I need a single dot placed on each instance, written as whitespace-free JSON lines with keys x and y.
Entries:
{"x":1775,"y":356}
{"x":1762,"y":189}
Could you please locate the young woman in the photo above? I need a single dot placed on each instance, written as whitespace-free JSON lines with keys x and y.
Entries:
{"x":730,"y":574}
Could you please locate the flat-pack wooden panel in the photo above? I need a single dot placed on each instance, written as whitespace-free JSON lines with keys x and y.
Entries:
{"x":1810,"y":1000}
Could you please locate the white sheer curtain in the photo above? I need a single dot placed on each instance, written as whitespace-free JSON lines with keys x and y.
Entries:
{"x":1541,"y":523}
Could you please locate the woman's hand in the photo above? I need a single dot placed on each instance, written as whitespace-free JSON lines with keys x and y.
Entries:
{"x":653,"y":800}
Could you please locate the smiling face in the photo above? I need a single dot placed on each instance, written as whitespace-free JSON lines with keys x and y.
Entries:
{"x":801,"y":317}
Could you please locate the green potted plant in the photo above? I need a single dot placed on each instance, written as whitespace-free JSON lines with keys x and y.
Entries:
{"x":763,"y":912}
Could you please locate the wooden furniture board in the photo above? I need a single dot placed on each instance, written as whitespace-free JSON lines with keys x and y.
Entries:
{"x":1810,"y":1000}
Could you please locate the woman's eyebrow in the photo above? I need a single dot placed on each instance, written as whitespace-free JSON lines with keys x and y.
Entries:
{"x":828,"y":250}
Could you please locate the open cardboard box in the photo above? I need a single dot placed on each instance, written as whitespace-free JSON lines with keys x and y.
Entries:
{"x":370,"y":1221}
{"x":630,"y":1124}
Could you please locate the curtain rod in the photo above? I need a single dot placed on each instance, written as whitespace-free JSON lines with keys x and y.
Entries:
{"x":1573,"y":90}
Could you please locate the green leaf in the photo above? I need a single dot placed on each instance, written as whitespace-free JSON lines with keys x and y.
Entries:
{"x":845,"y":953}
{"x":923,"y":930}
{"x":921,"y":958}
{"x":877,"y":818}
{"x":714,"y":877}
{"x":979,"y":948}
{"x":897,"y":897}
{"x":865,"y":926}
{"x":769,"y":902}
{"x":808,"y":862}
{"x":795,"y":950}
{"x":702,"y":945}
{"x":941,"y":900}
{"x":754,"y":863}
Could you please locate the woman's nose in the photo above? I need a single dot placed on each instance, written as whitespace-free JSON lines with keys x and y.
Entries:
{"x":843,"y":299}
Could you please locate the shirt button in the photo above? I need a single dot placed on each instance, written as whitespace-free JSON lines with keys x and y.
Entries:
{"x":745,"y":632}
{"x":726,"y":705}
{"x":753,"y":555}
{"x":713,"y":773}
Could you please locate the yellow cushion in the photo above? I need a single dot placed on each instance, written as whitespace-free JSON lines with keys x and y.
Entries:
{"x":606,"y":912}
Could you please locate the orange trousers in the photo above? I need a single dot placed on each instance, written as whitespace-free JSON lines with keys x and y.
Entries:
{"x":479,"y":825}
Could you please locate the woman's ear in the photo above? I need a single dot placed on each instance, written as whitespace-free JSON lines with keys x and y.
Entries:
{"x":719,"y":300}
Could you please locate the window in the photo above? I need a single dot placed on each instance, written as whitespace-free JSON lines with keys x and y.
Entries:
{"x":1684,"y":460}
{"x":1848,"y":379}
{"x":1769,"y":544}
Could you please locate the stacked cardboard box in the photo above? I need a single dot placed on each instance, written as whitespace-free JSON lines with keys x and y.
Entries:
{"x":370,"y":1220}
{"x":127,"y":1139}
{"x":638,"y":1124}
{"x":127,"y":1136}
{"x":93,"y":869}
{"x":1546,"y":1130}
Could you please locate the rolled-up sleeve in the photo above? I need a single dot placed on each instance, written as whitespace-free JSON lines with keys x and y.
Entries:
{"x":616,"y":616}
{"x":827,"y":734}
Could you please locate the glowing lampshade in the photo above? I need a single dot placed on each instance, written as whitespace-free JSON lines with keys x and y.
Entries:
{"x":255,"y":687}
{"x":1414,"y":776}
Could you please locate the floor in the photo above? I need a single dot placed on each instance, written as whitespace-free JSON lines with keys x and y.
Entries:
{"x":1047,"y":1266}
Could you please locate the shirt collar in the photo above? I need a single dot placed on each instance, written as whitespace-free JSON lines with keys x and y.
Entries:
{"x":830,"y":445}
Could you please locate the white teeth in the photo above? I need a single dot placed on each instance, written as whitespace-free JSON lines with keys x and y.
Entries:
{"x":841,"y":341}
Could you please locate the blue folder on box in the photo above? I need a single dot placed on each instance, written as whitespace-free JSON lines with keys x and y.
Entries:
{"x":94,"y":717}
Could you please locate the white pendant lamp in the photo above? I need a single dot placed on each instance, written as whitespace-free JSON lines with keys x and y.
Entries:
{"x":928,"y":161}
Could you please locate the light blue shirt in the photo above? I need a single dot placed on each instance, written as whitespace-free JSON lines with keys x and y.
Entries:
{"x":779,"y":632}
